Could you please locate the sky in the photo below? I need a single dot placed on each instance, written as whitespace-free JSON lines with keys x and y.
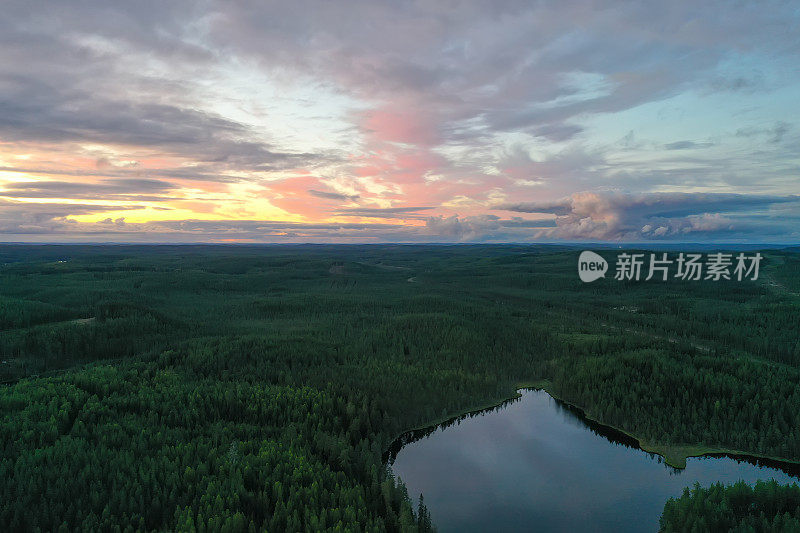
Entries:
{"x":403,"y":121}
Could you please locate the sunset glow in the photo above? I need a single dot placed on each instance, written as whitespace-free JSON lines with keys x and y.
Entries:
{"x":412,"y":122}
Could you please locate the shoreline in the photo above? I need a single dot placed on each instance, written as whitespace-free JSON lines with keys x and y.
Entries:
{"x":674,"y":456}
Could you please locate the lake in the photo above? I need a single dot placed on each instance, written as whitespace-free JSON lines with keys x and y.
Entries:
{"x":536,"y":463}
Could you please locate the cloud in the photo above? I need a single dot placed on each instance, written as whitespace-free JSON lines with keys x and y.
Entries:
{"x":111,"y":189}
{"x":774,"y":134}
{"x":483,"y":228}
{"x":619,"y":216}
{"x":382,"y":212}
{"x":556,"y":132}
{"x":116,"y":221}
{"x":400,"y":104}
{"x":686,"y":145}
{"x":47,"y":219}
{"x":749,"y":83}
{"x":580,"y":217}
{"x":332,"y":195}
{"x":261,"y":231}
{"x":124,"y":78}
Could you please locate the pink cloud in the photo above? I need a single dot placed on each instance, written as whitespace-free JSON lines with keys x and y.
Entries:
{"x":396,"y":124}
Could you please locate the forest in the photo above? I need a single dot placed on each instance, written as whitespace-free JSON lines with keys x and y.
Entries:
{"x":249,"y":388}
{"x":765,"y":507}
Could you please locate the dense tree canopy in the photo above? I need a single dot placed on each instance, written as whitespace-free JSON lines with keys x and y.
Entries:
{"x":766,"y":507}
{"x":235,"y":389}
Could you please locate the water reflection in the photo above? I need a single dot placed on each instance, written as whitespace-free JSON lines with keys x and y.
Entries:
{"x":537,"y":463}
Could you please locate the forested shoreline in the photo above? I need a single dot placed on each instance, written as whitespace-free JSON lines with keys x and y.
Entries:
{"x":235,"y":389}
{"x":765,"y":507}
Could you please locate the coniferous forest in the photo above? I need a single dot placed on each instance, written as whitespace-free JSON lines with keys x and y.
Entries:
{"x":250,"y":388}
{"x":765,"y":507}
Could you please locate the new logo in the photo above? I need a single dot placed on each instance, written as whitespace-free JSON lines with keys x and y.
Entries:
{"x":591,"y":266}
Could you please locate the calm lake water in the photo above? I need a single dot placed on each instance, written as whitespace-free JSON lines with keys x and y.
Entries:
{"x":536,"y":464}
